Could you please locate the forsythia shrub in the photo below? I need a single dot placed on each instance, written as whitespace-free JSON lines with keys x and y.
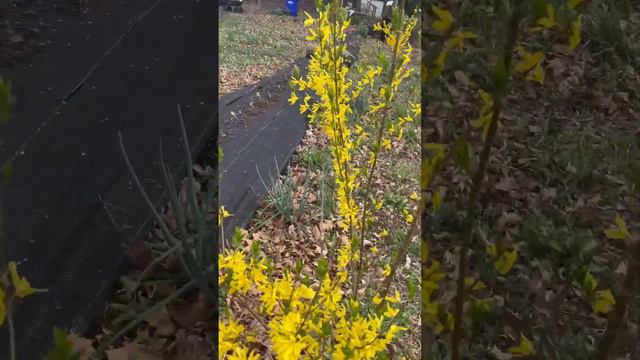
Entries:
{"x":319,"y":318}
{"x":513,"y":58}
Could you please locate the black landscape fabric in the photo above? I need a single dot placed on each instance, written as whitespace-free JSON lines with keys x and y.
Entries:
{"x":121,"y":66}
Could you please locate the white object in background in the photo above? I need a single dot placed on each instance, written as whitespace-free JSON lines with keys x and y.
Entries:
{"x":378,"y":5}
{"x":378,"y":8}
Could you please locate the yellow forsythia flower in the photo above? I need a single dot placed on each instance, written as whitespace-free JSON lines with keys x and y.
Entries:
{"x":604,"y":301}
{"x":360,"y":338}
{"x":576,"y":30}
{"x":309,"y":20}
{"x":487,"y":101}
{"x":387,"y":270}
{"x":330,"y":295}
{"x":312,"y":35}
{"x":531,"y":64}
{"x":506,"y":261}
{"x":572,"y":4}
{"x":293,"y":99}
{"x":395,"y":298}
{"x":416,"y":108}
{"x":476,"y":285}
{"x":524,"y":348}
{"x":549,"y":21}
{"x":441,"y":325}
{"x":409,"y":219}
{"x":286,"y":344}
{"x":21,"y":284}
{"x":445,"y":20}
{"x":484,"y":121}
{"x":377,"y":299}
{"x":234,"y":261}
{"x":589,"y":284}
{"x":283,"y":287}
{"x":458,"y":38}
{"x":503,"y":262}
{"x":433,"y":275}
{"x":391,"y":312}
{"x":304,"y":107}
{"x":223,"y":214}
{"x":620,"y":231}
{"x":240,"y":353}
{"x":228,"y":335}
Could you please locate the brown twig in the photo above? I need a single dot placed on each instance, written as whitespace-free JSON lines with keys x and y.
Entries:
{"x":615,"y":322}
{"x":243,"y":304}
{"x":478,"y":181}
{"x":12,"y":332}
{"x":392,"y":72}
{"x":386,"y":285}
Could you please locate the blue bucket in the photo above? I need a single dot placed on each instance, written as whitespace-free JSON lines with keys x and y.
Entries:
{"x":292,"y":6}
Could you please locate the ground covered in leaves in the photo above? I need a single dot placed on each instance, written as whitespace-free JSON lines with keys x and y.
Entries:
{"x":255,"y":44}
{"x":565,"y":161}
{"x":181,"y":328}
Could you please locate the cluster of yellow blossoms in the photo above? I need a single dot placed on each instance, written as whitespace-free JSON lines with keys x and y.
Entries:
{"x":327,"y":80}
{"x":304,"y":321}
